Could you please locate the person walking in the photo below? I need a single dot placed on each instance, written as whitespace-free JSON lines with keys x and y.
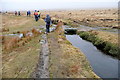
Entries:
{"x":19,"y":14}
{"x":28,"y":13}
{"x":36,"y":15}
{"x":15,"y":13}
{"x":48,"y":23}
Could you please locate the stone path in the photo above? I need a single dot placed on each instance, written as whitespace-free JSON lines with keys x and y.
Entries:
{"x":43,"y":63}
{"x":42,"y":66}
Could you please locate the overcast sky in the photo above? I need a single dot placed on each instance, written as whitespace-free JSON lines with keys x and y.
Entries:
{"x":56,"y":4}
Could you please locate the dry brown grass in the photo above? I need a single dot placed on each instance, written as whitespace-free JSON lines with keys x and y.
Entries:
{"x":21,"y":62}
{"x":59,"y":29}
{"x":74,"y":69}
{"x":24,"y":33}
{"x":20,"y":55}
{"x":10,"y":21}
{"x":2,"y":39}
{"x":4,"y":30}
{"x":11,"y":43}
{"x":35,"y":32}
{"x":106,"y":36}
{"x":93,"y":17}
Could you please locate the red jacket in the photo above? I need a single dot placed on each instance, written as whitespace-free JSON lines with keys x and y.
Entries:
{"x":35,"y":13}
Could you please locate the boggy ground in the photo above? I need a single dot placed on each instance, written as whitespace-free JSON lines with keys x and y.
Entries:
{"x":67,"y":61}
{"x":89,"y":17}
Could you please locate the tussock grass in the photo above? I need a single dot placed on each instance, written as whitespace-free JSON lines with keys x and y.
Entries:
{"x":20,"y":55}
{"x":35,"y":32}
{"x":14,"y":42}
{"x":4,"y":30}
{"x":21,"y":62}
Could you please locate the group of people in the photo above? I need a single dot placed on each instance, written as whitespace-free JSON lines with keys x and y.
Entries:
{"x":37,"y":17}
{"x":47,"y":20}
{"x":17,"y":13}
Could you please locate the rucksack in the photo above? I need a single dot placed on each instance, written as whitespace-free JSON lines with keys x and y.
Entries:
{"x":48,"y":20}
{"x":35,"y":13}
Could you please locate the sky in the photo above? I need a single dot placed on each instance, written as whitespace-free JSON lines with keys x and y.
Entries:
{"x":12,"y":5}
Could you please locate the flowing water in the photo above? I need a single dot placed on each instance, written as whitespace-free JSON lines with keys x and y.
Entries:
{"x":103,"y":65}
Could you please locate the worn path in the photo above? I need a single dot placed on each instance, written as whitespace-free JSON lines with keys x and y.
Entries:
{"x":42,"y":67}
{"x":43,"y":63}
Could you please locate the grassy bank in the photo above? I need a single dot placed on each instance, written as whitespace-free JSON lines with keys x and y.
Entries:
{"x":109,"y":47}
{"x":67,"y":61}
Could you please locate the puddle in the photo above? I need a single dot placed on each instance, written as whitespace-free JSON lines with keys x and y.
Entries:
{"x":18,"y":35}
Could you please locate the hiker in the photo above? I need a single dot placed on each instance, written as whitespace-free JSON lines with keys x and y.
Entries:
{"x":48,"y":23}
{"x":28,"y":13}
{"x":19,"y":14}
{"x":15,"y":13}
{"x":36,"y":15}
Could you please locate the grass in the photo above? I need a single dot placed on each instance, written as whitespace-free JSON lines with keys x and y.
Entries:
{"x":66,"y":61}
{"x":21,"y":62}
{"x":106,"y":36}
{"x":106,"y":46}
{"x":20,"y":23}
{"x":92,"y":17}
{"x":17,"y":25}
{"x":23,"y":56}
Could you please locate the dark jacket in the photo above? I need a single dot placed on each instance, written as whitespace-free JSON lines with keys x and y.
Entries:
{"x":48,"y":20}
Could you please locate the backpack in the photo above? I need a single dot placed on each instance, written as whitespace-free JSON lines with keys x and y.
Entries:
{"x":35,"y":13}
{"x":48,"y":20}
